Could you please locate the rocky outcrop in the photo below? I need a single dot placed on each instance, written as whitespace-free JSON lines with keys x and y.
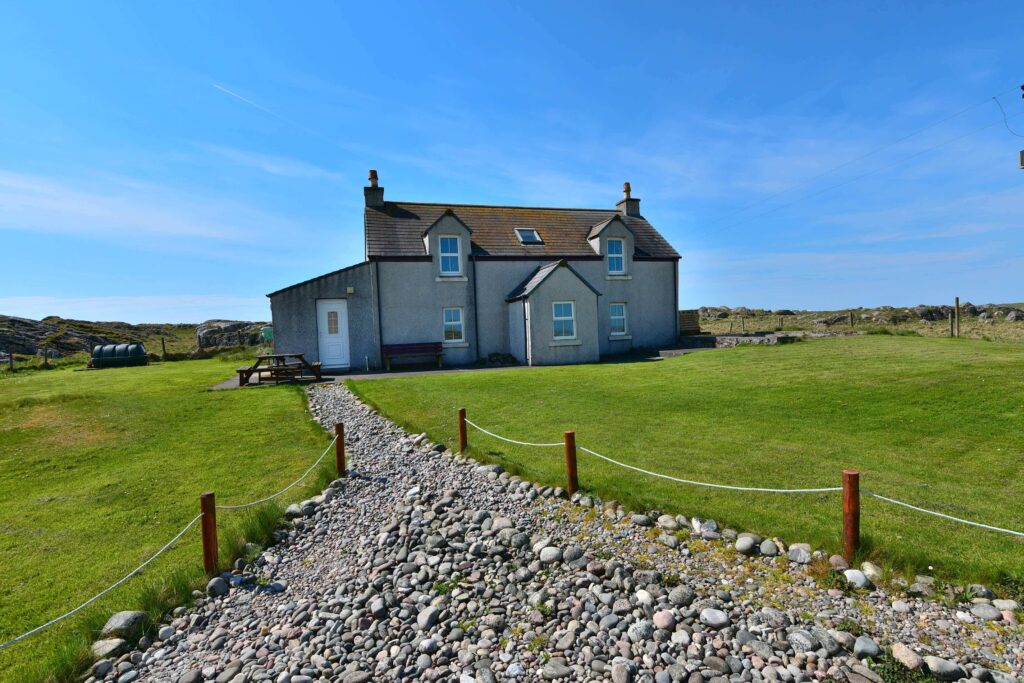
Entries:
{"x":216,"y":333}
{"x":25,"y":336}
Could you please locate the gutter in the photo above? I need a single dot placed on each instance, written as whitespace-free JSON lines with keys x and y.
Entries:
{"x":675,"y":289}
{"x":476,"y":326}
{"x":380,"y":334}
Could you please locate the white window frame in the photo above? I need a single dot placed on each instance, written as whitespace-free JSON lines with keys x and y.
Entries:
{"x":612,"y":317}
{"x":556,"y":318}
{"x":441,"y":255}
{"x":445,"y":324}
{"x":621,"y":256}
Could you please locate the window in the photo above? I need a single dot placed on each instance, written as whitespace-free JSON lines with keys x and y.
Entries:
{"x":616,"y":260}
{"x":618,"y":318}
{"x":528,"y":236}
{"x":332,"y":322}
{"x":563,"y":314}
{"x":453,"y":325}
{"x":451,"y":264}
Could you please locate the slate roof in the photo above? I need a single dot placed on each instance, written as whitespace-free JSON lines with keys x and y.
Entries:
{"x":538,"y":276}
{"x":396,"y":230}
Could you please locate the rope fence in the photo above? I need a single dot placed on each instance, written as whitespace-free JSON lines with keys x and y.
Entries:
{"x":103,"y":592}
{"x":850,"y":488}
{"x":207,"y":518}
{"x":286,"y":489}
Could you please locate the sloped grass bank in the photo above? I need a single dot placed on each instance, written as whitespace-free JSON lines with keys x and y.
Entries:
{"x":935,"y":422}
{"x":100,"y":469}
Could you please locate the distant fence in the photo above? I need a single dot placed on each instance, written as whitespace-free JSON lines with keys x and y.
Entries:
{"x":850,"y":488}
{"x":208,"y":519}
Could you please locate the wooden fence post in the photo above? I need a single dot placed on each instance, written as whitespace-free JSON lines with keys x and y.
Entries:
{"x":851,"y":319}
{"x":208,"y":506}
{"x":163,"y":349}
{"x":10,"y":358}
{"x":463,"y":441}
{"x":339,"y":448}
{"x":957,"y":316}
{"x":570,"y":463}
{"x":851,"y":513}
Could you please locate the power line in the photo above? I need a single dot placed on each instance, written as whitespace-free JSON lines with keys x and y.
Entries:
{"x":866,"y":174}
{"x":886,"y":146}
{"x":1005,"y":122}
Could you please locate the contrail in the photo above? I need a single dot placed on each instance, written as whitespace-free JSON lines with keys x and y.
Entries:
{"x":257,"y":105}
{"x":287,"y":120}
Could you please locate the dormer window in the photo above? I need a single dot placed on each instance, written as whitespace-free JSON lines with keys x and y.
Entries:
{"x":528,"y":236}
{"x":616,"y":257}
{"x":451,"y":261}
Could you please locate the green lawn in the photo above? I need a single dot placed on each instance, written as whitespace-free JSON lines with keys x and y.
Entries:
{"x":98,"y":469}
{"x":935,"y":422}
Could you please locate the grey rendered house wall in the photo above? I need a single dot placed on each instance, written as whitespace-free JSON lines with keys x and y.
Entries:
{"x":495,"y":279}
{"x":650,"y":303}
{"x":293,"y":311}
{"x":413,"y":297}
{"x":562,"y":285}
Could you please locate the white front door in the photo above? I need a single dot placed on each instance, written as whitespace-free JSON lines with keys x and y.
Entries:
{"x":332,"y":330}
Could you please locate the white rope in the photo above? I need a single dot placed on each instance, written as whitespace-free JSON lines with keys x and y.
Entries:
{"x":521,"y":443}
{"x":105,"y":591}
{"x":702,"y":483}
{"x":750,"y":488}
{"x":286,"y":488}
{"x":939,"y":514}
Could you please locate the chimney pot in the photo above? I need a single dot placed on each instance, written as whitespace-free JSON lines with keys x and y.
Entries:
{"x":628,"y":205}
{"x":374,"y":194}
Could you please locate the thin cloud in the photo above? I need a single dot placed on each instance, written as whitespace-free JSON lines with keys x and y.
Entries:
{"x":123,"y":207}
{"x":139,"y":309}
{"x":274,"y":165}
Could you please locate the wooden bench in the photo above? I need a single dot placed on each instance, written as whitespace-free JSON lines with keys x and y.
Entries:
{"x":416,"y":349}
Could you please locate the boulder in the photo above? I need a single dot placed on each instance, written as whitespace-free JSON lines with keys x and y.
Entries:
{"x":129,"y":625}
{"x":109,"y":647}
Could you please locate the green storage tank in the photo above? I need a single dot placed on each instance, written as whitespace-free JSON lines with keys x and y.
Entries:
{"x":118,"y":356}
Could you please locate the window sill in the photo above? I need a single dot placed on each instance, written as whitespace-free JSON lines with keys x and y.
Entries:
{"x":451,"y":278}
{"x":618,"y":277}
{"x":455,"y":345}
{"x":619,"y":337}
{"x":565,"y":342}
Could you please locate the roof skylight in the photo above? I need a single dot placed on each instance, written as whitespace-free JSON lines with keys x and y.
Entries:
{"x":528,"y":236}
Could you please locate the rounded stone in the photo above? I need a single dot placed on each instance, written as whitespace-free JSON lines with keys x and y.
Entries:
{"x":217,"y":587}
{"x":714,"y":618}
{"x":550,"y":555}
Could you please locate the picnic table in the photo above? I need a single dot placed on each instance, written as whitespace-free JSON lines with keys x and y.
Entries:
{"x":287,"y":367}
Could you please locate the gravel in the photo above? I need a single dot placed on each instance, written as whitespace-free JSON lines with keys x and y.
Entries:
{"x":422,"y":565}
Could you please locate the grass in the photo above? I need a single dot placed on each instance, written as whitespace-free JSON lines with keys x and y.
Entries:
{"x":935,"y":422}
{"x":98,"y":469}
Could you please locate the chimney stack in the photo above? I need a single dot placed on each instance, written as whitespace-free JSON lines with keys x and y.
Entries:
{"x":628,"y":206}
{"x":374,"y":195}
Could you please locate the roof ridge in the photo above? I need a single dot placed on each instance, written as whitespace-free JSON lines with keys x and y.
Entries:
{"x":503,"y":206}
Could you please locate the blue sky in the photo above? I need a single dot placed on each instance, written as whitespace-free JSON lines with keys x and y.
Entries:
{"x":176,"y":162}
